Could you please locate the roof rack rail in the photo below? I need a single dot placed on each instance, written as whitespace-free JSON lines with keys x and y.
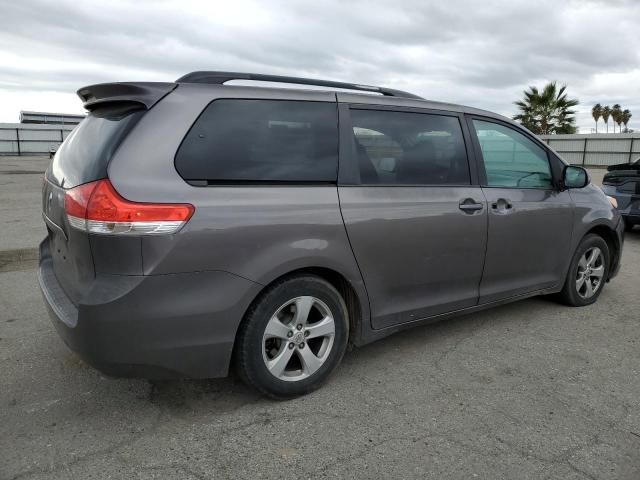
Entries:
{"x":221,"y":77}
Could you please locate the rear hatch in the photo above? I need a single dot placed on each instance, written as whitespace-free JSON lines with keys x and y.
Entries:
{"x":83,"y":157}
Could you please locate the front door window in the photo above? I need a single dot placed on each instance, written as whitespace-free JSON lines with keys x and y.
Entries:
{"x":511,"y":159}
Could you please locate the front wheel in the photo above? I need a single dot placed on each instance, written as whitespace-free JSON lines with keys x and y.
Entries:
{"x":293,"y":337}
{"x":587,"y":273}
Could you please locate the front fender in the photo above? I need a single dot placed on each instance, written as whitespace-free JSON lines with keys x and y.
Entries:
{"x":594,"y":213}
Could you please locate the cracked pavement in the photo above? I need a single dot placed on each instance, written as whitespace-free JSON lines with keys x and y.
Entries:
{"x":531,"y":390}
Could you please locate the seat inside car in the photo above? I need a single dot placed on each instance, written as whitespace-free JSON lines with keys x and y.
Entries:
{"x":420,"y":165}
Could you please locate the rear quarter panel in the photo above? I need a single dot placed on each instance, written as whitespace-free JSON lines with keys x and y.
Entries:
{"x":256,"y":232}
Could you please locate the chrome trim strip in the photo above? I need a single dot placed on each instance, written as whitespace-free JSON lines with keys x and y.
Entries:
{"x":54,"y":225}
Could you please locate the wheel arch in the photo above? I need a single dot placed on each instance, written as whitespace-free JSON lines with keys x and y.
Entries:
{"x":346,"y":290}
{"x":612,"y":241}
{"x":357,"y":307}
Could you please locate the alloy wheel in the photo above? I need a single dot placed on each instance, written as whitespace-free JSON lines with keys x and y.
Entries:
{"x":590,"y":272}
{"x":298,"y":338}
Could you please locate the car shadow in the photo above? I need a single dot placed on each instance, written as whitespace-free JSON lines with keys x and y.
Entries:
{"x":178,"y":394}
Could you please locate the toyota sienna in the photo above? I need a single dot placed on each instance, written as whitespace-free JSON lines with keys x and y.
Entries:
{"x":197,"y":226}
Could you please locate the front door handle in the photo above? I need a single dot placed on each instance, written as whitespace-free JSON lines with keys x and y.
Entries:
{"x":469,"y":205}
{"x":502,"y":205}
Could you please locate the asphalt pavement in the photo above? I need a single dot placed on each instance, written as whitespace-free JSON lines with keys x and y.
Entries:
{"x":530,"y":390}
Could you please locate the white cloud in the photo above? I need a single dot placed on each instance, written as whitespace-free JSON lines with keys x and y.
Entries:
{"x":481,"y":54}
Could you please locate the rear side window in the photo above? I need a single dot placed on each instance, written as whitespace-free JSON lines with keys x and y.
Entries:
{"x":405,"y":148}
{"x":261,"y":141}
{"x":85,"y":154}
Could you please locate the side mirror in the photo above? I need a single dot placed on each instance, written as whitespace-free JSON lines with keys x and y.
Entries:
{"x":574,"y":177}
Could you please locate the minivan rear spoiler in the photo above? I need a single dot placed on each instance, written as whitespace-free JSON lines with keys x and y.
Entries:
{"x":146,"y":94}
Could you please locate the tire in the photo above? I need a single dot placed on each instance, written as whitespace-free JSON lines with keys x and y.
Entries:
{"x":283,"y":353}
{"x":586,"y":268}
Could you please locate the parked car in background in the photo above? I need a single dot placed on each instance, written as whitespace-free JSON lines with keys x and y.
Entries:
{"x":622,"y":182}
{"x":193,"y":226}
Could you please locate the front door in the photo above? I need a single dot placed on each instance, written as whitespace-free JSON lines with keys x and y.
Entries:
{"x":416,"y":224}
{"x":530,"y":220}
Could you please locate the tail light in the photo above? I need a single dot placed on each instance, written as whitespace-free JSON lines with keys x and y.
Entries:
{"x":96,"y":207}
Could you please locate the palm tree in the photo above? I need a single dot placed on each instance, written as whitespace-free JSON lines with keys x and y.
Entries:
{"x":626,"y":116}
{"x":616,"y":111}
{"x":547,"y":111}
{"x":606,"y":113}
{"x":596,"y":113}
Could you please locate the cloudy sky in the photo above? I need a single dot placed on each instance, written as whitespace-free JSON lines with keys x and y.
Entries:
{"x":481,"y":54}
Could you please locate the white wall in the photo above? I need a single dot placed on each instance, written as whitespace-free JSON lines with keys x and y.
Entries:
{"x":31,"y":139}
{"x":599,"y":149}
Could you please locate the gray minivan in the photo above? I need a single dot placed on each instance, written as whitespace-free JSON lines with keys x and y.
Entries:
{"x":197,"y":225}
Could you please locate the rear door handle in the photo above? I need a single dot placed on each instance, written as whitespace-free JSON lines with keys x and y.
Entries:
{"x":469,"y":205}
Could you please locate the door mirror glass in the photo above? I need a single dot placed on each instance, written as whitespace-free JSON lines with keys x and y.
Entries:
{"x":575,"y":177}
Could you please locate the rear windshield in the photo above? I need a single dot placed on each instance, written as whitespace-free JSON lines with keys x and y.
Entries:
{"x":237,"y":141}
{"x":85,"y":154}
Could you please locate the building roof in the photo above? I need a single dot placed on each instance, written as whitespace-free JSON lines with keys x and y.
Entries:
{"x":49,"y":117}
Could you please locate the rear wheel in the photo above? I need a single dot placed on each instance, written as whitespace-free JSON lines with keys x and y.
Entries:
{"x":587,"y":273}
{"x":293,"y":337}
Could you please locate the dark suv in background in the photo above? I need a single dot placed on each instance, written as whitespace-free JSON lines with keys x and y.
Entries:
{"x":194,"y":225}
{"x":622,"y":182}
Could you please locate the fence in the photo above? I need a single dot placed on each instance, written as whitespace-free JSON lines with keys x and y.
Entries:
{"x":596,"y":150}
{"x":590,"y":150}
{"x":30,"y":139}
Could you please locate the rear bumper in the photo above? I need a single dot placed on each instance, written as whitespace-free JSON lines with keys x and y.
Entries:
{"x":160,"y":326}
